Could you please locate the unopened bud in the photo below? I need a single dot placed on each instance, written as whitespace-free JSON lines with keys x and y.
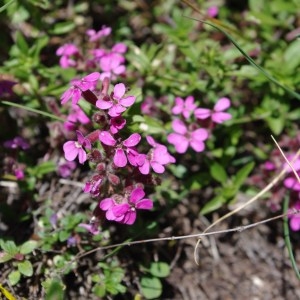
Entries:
{"x":113,"y":179}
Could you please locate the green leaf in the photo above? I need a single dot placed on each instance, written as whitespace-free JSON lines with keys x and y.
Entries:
{"x":9,"y":247}
{"x":28,"y":247}
{"x":218,"y":172}
{"x":151,"y":287}
{"x":292,"y":56}
{"x":242,"y":174}
{"x":34,"y":110}
{"x":63,"y":235}
{"x":14,"y":277}
{"x":160,"y":269}
{"x":21,"y":43}
{"x":4,"y":257}
{"x":213,"y":204}
{"x":3,"y":7}
{"x":54,"y":289}
{"x":25,"y":268}
{"x":43,"y":168}
{"x":63,"y":27}
{"x":99,"y":290}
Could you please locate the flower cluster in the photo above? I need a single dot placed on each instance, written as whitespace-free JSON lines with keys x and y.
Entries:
{"x":190,"y":130}
{"x":120,"y":168}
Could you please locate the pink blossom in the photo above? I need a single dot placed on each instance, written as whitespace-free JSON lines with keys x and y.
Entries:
{"x":125,"y":211}
{"x":213,"y":11}
{"x":184,"y":107}
{"x":93,"y":228}
{"x":79,"y":85}
{"x":67,"y":52}
{"x":123,"y":150}
{"x":183,"y":138}
{"x":117,"y":103}
{"x":94,"y":35}
{"x":73,"y":149}
{"x":116,"y":124}
{"x":92,"y":186}
{"x":157,"y":158}
{"x":65,"y":168}
{"x":217,"y":115}
{"x":77,"y":115}
{"x":292,"y":183}
{"x":295,"y":218}
{"x":269,"y":166}
{"x":19,"y":173}
{"x":16,"y":143}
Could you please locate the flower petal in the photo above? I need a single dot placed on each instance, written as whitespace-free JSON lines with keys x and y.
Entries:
{"x":157,"y":167}
{"x":102,"y":104}
{"x":106,"y":203}
{"x":179,"y":127}
{"x":202,"y":113}
{"x":71,"y":151}
{"x":222,"y":104}
{"x":120,"y":209}
{"x":119,"y":91}
{"x":120,"y":159}
{"x":145,"y":204}
{"x":106,"y":138}
{"x":129,"y":218}
{"x":136,"y":195}
{"x":179,"y":141}
{"x":128,"y":101}
{"x":198,"y":146}
{"x":220,"y":117}
{"x":199,"y":134}
{"x":82,"y":155}
{"x":92,"y":77}
{"x":132,"y":140}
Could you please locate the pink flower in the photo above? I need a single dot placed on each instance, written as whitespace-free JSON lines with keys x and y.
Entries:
{"x":73,"y":149}
{"x":67,"y":52}
{"x":292,"y":183}
{"x":295,"y":218}
{"x":217,"y":114}
{"x":125,"y":212}
{"x":16,"y":143}
{"x":184,"y":107}
{"x":183,"y":138}
{"x":117,"y":104}
{"x":157,"y":158}
{"x":77,"y":115}
{"x":122,"y":148}
{"x":94,"y":35}
{"x":93,"y":185}
{"x":65,"y":168}
{"x":116,"y":124}
{"x":213,"y":11}
{"x":93,"y":228}
{"x":74,"y":92}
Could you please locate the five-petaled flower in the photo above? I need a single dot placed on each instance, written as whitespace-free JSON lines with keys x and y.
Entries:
{"x":123,"y":210}
{"x":73,"y":149}
{"x":78,"y":86}
{"x":217,"y":114}
{"x":157,"y":158}
{"x":184,"y":107}
{"x":127,"y":146}
{"x":116,"y":104}
{"x":67,"y":52}
{"x":182,"y":138}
